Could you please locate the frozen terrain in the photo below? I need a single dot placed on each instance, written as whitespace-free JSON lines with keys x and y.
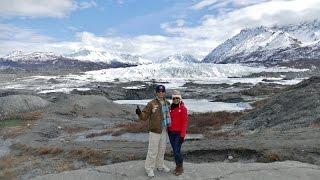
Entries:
{"x":198,"y":105}
{"x":175,"y":76}
{"x":179,"y":71}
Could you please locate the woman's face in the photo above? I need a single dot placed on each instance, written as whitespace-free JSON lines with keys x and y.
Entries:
{"x":175,"y":100}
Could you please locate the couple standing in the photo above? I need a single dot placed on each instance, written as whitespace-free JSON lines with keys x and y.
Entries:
{"x":164,"y":119}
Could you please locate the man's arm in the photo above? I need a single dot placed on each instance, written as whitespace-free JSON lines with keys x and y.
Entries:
{"x":145,"y":113}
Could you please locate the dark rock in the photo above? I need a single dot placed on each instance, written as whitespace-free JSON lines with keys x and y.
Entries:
{"x":53,"y":81}
{"x":261,"y":89}
{"x":229,"y":98}
{"x":49,"y":132}
{"x":213,"y":86}
{"x":146,"y":93}
{"x":297,"y":106}
{"x":90,"y":92}
{"x":268,"y":80}
{"x":242,"y":85}
{"x":8,"y":93}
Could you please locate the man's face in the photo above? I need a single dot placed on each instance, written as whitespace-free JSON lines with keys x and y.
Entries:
{"x":161,"y":94}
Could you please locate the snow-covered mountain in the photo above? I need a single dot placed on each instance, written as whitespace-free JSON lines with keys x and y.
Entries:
{"x":81,"y":55}
{"x":270,"y":45}
{"x":33,"y":56}
{"x":106,"y":57}
{"x":179,"y":58}
{"x":307,"y":32}
{"x":48,"y":60}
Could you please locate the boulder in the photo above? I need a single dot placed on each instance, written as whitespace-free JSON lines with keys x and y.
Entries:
{"x":90,"y":106}
{"x":15,"y":104}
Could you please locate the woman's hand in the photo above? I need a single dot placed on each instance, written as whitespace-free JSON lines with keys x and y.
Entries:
{"x":182,"y":138}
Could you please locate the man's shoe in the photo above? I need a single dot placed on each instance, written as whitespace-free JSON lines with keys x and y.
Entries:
{"x":164,"y":169}
{"x":150,"y":173}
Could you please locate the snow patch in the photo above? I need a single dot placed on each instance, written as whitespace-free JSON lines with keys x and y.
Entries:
{"x":62,"y":90}
{"x":198,"y":105}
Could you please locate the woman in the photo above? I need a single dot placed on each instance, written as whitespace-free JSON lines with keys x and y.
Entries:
{"x":178,"y":129}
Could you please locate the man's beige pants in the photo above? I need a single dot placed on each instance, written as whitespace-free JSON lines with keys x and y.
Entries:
{"x":156,"y":150}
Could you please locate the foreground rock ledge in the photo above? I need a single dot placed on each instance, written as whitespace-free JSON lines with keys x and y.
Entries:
{"x":219,"y":171}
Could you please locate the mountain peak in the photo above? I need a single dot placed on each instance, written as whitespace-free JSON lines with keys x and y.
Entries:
{"x":37,"y":56}
{"x":95,"y":55}
{"x":260,"y":43}
{"x":308,"y":32}
{"x":254,"y":31}
{"x":179,"y":58}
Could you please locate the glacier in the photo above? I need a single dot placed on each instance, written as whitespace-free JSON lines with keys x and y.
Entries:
{"x":173,"y":75}
{"x":205,"y":72}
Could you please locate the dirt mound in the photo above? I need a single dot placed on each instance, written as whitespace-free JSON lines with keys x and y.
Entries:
{"x":297,"y":106}
{"x":14,"y":104}
{"x":90,"y":105}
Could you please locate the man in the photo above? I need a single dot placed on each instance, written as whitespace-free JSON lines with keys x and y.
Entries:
{"x":158,"y":114}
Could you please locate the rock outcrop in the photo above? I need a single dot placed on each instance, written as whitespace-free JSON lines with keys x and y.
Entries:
{"x":14,"y":104}
{"x":296,"y":107}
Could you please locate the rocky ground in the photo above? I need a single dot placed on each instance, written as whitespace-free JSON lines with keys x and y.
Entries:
{"x":56,"y":132}
{"x":218,"y":171}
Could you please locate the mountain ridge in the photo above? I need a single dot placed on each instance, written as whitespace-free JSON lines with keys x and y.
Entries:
{"x":269,"y":45}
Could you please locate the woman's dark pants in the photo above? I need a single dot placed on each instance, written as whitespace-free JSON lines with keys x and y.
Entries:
{"x":176,"y":142}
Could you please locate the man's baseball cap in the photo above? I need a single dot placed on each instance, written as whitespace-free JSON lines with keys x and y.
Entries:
{"x":160,"y":88}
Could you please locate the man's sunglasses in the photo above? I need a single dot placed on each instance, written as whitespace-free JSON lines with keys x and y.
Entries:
{"x":175,"y":98}
{"x":161,"y":92}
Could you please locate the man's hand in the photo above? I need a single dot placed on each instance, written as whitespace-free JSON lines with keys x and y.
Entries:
{"x":138,"y":111}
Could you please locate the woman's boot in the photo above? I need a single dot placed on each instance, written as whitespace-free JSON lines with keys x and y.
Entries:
{"x":179,"y":170}
{"x":175,"y":170}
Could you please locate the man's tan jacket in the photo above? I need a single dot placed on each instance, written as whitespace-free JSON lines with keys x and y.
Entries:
{"x":153,"y":113}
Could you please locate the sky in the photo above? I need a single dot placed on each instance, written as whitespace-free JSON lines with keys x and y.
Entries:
{"x":150,"y":28}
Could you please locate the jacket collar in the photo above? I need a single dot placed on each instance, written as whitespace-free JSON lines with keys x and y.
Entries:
{"x":181,"y":104}
{"x":159,"y":101}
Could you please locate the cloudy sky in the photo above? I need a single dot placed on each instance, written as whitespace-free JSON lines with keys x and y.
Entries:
{"x":152,"y":28}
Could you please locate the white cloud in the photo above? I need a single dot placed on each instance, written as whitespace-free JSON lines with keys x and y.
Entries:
{"x":9,"y":32}
{"x":180,"y":22}
{"x":215,"y":4}
{"x":72,"y":28}
{"x":203,"y":4}
{"x":41,"y":8}
{"x":151,"y":46}
{"x":197,"y":40}
{"x":218,"y":28}
{"x":86,"y":4}
{"x":13,"y":38}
